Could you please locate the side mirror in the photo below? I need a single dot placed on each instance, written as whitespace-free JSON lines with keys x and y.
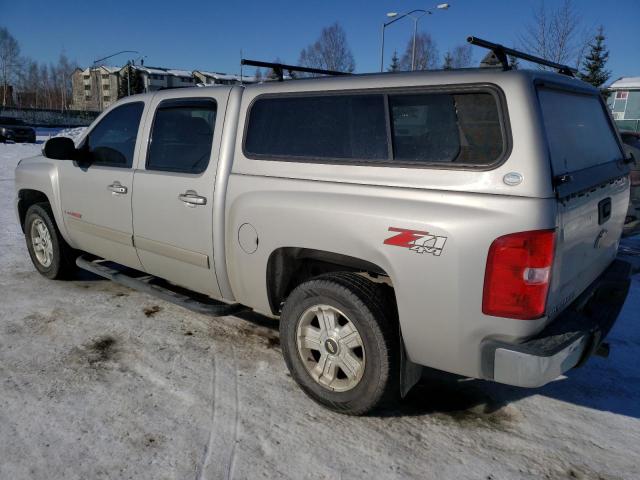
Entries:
{"x":60,"y":148}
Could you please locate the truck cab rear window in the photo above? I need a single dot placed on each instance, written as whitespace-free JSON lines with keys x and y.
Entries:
{"x":399,"y":129}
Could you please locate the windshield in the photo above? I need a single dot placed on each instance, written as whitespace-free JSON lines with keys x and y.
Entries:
{"x":578,"y":130}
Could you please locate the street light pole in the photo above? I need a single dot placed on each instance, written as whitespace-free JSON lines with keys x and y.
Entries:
{"x":441,"y":6}
{"x":415,"y":34}
{"x":382,"y":49}
{"x":385,"y":25}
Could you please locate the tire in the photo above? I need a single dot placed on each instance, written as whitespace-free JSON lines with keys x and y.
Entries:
{"x":55,"y":259}
{"x":355,"y":303}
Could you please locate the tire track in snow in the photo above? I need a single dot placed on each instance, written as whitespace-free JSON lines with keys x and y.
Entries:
{"x":232,"y":456}
{"x":220,"y":453}
{"x":207,"y":452}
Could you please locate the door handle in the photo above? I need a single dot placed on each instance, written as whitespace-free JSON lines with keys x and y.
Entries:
{"x":117,"y":188}
{"x":191,"y":198}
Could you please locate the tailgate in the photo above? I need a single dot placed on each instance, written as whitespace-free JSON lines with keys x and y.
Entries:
{"x":592,"y":187}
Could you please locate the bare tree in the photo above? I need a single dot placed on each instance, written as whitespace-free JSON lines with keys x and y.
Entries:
{"x":461,"y":56}
{"x":28,"y":79}
{"x":556,"y":34}
{"x":9,"y":61}
{"x":426,"y":57}
{"x":330,"y":52}
{"x":44,"y":85}
{"x":63,"y":71}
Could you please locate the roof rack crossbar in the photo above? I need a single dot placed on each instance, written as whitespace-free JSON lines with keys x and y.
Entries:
{"x":279,"y":68}
{"x":501,"y":53}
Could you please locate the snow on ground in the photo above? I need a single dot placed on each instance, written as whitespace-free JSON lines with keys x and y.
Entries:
{"x":99,"y":381}
{"x":72,"y":133}
{"x":45,"y":133}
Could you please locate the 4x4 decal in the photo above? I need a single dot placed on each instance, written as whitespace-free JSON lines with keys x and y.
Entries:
{"x":416,"y":241}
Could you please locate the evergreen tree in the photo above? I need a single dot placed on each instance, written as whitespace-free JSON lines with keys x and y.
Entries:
{"x":395,"y":63}
{"x":448,"y":62}
{"x":595,"y":72}
{"x":130,"y":81}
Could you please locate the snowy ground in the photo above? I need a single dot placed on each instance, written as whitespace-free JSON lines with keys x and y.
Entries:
{"x":99,"y":382}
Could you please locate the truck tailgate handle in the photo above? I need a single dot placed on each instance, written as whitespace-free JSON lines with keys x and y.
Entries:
{"x":191,"y":198}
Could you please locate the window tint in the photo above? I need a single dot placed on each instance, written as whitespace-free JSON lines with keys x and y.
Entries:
{"x":181,"y":136}
{"x":113,"y":140}
{"x":442,"y":127}
{"x":578,"y":130}
{"x":319,"y":127}
{"x":460,"y":128}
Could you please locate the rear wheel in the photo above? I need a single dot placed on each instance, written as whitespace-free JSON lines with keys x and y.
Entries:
{"x":340,"y":343}
{"x":49,"y":252}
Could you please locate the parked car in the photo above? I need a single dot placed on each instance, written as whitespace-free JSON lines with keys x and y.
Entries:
{"x":390,"y":221}
{"x":632,"y":145}
{"x":15,"y":130}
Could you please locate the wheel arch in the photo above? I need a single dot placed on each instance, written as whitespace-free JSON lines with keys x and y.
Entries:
{"x":26,"y":198}
{"x":287,"y":267}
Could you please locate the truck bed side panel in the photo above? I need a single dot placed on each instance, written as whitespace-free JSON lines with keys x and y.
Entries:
{"x":438,"y":290}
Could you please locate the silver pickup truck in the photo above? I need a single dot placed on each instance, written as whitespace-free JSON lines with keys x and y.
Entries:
{"x":467,"y":221}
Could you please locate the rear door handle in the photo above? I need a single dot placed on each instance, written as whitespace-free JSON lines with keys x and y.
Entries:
{"x":116,"y":187}
{"x":191,"y":198}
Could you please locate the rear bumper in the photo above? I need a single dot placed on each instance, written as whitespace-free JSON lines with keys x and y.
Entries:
{"x":568,"y":341}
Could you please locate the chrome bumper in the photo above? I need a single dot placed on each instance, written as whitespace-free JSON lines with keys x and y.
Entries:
{"x":567,"y":342}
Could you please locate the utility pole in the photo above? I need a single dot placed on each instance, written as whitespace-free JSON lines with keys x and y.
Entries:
{"x":98,"y":62}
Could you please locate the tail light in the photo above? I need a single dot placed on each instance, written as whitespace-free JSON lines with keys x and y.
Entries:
{"x":635,"y":178}
{"x":517,"y":276}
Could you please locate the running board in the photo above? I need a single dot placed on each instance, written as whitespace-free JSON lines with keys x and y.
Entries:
{"x":143,"y":284}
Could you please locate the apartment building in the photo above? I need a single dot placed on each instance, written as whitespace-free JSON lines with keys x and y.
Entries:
{"x":155,"y":78}
{"x":215,"y":78}
{"x":95,"y":88}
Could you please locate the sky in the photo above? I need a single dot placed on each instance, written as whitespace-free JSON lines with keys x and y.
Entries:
{"x":209,"y":35}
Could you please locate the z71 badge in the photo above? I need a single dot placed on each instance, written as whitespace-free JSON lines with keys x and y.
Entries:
{"x":416,"y":241}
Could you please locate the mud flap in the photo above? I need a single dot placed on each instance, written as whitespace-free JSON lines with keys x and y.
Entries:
{"x":410,"y":372}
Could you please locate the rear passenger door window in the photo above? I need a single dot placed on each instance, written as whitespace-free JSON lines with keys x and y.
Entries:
{"x":181,"y":135}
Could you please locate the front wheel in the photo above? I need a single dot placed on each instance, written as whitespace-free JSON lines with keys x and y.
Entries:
{"x":49,"y":252}
{"x":340,"y":344}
